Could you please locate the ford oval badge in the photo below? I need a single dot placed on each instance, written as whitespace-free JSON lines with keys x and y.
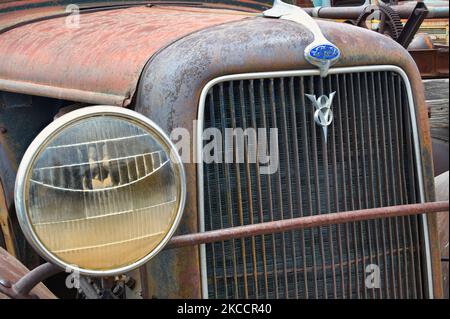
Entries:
{"x":324,"y":52}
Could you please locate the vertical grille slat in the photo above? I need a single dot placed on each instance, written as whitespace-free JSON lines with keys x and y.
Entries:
{"x":298,"y":185}
{"x":344,"y":201}
{"x":336,"y":193}
{"x":400,"y":184}
{"x":286,"y":143}
{"x":240,"y":212}
{"x":250,"y":185}
{"x":352,"y":237}
{"x":368,"y":161}
{"x":393,"y":221}
{"x":390,"y":83}
{"x":413,"y":197}
{"x":299,"y":181}
{"x":317,"y":207}
{"x":380,"y":192}
{"x":278,"y":190}
{"x":364,"y":226}
{"x":258,"y":187}
{"x":328,"y":204}
{"x":386,"y":183}
{"x":307,"y":171}
{"x":219,"y":211}
{"x":229,"y":206}
{"x":269,"y":197}
{"x":369,"y":142}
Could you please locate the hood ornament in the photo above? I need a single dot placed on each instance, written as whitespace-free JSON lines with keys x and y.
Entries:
{"x":320,"y":52}
{"x":323,"y":116}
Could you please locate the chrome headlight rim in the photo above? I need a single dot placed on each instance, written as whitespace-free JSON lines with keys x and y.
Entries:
{"x":44,"y":137}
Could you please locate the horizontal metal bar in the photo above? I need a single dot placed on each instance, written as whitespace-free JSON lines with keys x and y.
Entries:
{"x":23,"y":87}
{"x":404,"y":11}
{"x":306,"y":222}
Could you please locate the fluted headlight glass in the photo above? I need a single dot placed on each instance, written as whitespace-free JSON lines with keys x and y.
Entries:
{"x":101,"y":189}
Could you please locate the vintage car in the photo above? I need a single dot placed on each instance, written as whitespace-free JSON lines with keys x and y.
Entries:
{"x":108,"y":114}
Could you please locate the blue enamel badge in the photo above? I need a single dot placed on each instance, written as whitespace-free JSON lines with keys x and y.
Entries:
{"x":324,"y":52}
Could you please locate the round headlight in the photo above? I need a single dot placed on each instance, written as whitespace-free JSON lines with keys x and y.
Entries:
{"x":100,"y":190}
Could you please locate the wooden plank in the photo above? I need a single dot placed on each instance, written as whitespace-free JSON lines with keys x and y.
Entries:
{"x":437,"y":98}
{"x":12,"y":270}
{"x":439,"y":113}
{"x":436,"y":89}
{"x":5,"y":224}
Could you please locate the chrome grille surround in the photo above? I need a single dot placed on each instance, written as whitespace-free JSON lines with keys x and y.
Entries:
{"x":301,"y":73}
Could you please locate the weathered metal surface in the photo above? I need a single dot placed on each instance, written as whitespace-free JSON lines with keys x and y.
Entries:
{"x":173,"y":78}
{"x":306,"y":222}
{"x":11,"y":19}
{"x":253,"y":45}
{"x":432,"y":63}
{"x":11,"y":270}
{"x":101,"y":61}
{"x":16,"y":13}
{"x":421,"y":41}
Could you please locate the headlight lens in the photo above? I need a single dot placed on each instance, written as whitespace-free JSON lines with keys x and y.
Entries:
{"x":101,"y":189}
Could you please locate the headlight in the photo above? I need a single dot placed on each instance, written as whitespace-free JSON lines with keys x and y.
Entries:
{"x":100,"y":190}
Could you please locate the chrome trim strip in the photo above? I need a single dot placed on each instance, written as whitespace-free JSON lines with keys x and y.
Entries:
{"x":263,"y":75}
{"x":49,"y":132}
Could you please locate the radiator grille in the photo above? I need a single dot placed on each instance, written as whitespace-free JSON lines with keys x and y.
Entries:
{"x":367,"y":162}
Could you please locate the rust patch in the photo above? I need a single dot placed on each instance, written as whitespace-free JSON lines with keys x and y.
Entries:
{"x":101,"y":61}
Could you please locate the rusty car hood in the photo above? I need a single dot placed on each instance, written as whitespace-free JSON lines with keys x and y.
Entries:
{"x":102,"y":59}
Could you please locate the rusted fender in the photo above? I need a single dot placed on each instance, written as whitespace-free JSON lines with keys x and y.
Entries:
{"x":101,"y":60}
{"x":11,"y":270}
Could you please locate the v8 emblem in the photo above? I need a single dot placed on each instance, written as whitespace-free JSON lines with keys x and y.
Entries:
{"x":323,"y":116}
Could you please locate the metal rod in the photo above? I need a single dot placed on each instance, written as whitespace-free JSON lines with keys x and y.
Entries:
{"x":404,"y":11}
{"x":306,"y":222}
{"x":34,"y":277}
